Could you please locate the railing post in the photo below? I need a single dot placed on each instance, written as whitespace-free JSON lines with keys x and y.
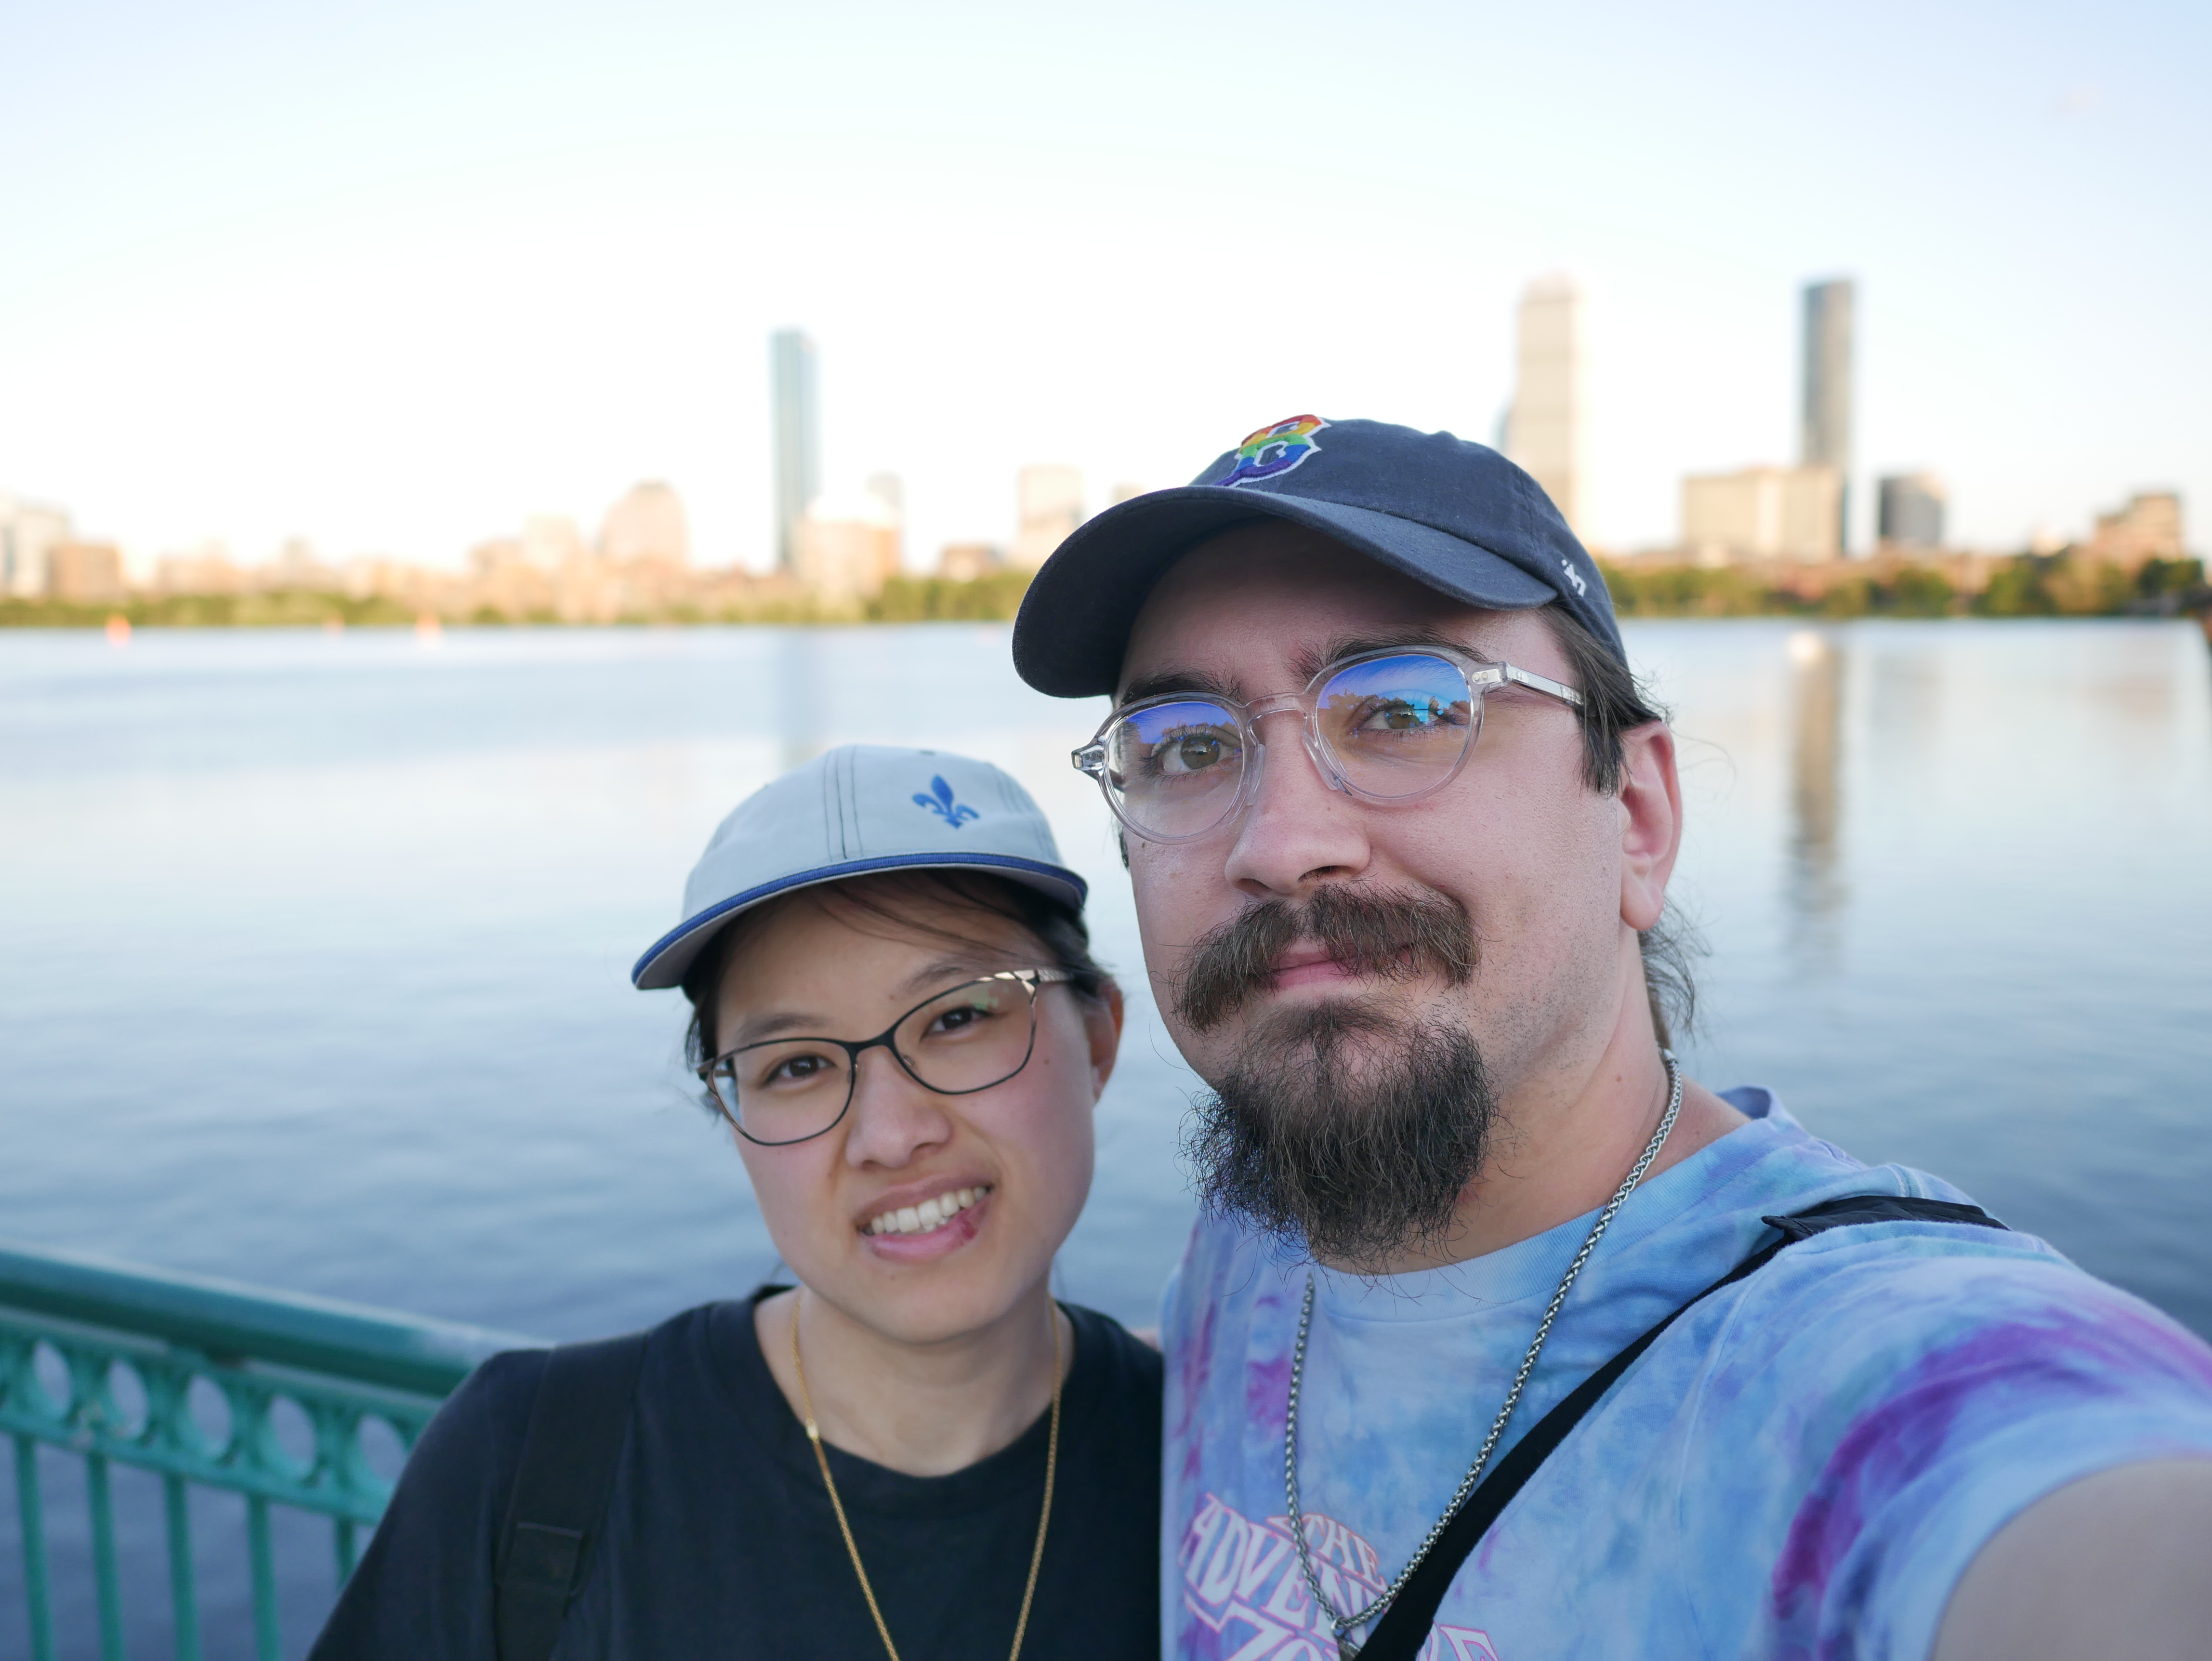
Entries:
{"x":106,"y":1587}
{"x":342,"y":1537}
{"x":264,"y":1577}
{"x":37,"y":1600}
{"x":184,"y":1594}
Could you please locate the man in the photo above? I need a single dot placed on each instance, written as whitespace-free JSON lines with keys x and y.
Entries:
{"x":1450,"y":1172}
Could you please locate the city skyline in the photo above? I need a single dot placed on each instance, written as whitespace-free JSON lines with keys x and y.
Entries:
{"x":1543,"y":426}
{"x":385,"y":284}
{"x":842,"y":548}
{"x":840,"y":551}
{"x":1758,"y":540}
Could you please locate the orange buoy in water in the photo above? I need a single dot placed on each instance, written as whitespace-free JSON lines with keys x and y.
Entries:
{"x":118,"y":630}
{"x":427,"y":629}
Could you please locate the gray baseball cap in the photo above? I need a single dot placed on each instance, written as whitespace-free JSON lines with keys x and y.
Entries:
{"x":857,"y":810}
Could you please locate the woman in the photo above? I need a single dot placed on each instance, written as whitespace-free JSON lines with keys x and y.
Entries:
{"x":914,"y":1452}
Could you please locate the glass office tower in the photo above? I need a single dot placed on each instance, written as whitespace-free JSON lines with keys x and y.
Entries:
{"x":795,"y":420}
{"x":1824,"y":435}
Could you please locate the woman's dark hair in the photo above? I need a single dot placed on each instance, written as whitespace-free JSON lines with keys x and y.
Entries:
{"x":1613,"y":704}
{"x":909,"y":901}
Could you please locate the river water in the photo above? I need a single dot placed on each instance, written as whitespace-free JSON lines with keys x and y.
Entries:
{"x":314,"y":950}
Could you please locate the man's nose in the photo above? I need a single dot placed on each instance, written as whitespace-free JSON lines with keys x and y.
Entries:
{"x":892,"y":1118}
{"x":1299,"y":830}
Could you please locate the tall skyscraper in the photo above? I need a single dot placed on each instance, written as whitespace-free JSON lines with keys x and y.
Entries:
{"x":1824,"y":431}
{"x":1544,"y":429}
{"x":797,"y":425}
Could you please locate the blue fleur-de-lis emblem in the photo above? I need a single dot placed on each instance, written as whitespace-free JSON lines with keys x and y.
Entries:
{"x":938,"y":799}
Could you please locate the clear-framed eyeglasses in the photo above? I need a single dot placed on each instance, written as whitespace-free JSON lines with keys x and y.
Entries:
{"x":1391,"y":726}
{"x":968,"y":1038}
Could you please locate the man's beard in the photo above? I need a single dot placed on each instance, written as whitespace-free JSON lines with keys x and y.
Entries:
{"x":1344,"y":1123}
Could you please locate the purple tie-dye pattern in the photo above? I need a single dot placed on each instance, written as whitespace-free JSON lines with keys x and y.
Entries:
{"x":1267,"y":1394}
{"x":2101,"y":1354}
{"x":1195,"y":1373}
{"x":1801,"y":1471}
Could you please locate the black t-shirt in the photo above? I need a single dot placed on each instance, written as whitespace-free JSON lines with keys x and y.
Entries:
{"x":720,"y":1542}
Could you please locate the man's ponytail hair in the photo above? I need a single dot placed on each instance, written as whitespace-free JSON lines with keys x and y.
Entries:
{"x":1613,"y":704}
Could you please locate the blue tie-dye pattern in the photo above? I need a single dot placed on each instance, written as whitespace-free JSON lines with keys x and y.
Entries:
{"x":1802,"y":1466}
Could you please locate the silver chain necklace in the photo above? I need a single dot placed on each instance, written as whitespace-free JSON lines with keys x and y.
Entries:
{"x":1343,"y":1620}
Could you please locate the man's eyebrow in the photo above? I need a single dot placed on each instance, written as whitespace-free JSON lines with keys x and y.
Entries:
{"x":1309,"y":661}
{"x":1201,"y":681}
{"x":1305,"y":663}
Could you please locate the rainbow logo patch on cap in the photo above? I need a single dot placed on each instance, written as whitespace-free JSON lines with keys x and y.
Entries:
{"x":1273,"y":451}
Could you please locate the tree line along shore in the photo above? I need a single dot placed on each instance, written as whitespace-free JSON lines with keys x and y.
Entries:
{"x":2065,"y":584}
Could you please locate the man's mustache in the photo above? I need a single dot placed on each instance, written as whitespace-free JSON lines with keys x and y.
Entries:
{"x":1390,"y":934}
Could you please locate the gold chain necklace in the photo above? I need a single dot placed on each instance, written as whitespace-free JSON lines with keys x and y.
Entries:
{"x":1051,"y":1468}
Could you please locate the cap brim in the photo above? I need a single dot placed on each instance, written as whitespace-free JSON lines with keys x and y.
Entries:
{"x":673,"y":953}
{"x":1074,"y":624}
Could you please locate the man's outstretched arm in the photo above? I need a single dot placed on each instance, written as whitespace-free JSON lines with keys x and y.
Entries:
{"x":2117,"y":1566}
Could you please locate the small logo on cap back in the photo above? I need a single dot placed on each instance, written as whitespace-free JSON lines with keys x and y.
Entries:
{"x":938,"y":799}
{"x":1573,"y":575}
{"x":1273,"y":451}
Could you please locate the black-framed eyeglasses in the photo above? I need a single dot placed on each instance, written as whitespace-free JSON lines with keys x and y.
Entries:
{"x":1390,"y":725}
{"x":956,"y":1042}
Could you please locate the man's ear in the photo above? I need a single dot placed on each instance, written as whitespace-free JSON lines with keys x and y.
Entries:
{"x":1650,"y":822}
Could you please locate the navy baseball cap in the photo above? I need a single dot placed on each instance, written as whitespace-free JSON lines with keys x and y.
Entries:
{"x":1456,"y":516}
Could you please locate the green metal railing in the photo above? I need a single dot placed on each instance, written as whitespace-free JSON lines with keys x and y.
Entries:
{"x":104,"y":1327}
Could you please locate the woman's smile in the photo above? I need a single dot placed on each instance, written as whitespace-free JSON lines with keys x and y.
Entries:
{"x":923,"y":1241}
{"x":906,"y":1215}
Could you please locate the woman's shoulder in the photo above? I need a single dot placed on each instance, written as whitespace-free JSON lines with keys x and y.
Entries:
{"x":488,"y":1416}
{"x":476,"y":1436}
{"x":483,"y":1424}
{"x":424,"y":1587}
{"x":498,"y":1395}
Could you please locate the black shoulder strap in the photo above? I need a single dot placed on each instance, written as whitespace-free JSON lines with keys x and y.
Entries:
{"x":1405,"y":1624}
{"x":569,"y":1453}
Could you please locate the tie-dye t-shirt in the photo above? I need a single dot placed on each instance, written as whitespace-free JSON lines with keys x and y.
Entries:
{"x":1803,"y":1466}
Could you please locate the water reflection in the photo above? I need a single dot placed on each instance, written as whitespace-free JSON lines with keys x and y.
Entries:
{"x":1816,"y":891}
{"x":1901,"y":724}
{"x":800,"y":716}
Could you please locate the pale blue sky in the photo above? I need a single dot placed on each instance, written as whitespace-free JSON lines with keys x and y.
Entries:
{"x":393,"y":276}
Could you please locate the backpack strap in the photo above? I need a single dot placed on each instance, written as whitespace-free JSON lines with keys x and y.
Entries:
{"x":577,"y":1427}
{"x":1405,"y":1624}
